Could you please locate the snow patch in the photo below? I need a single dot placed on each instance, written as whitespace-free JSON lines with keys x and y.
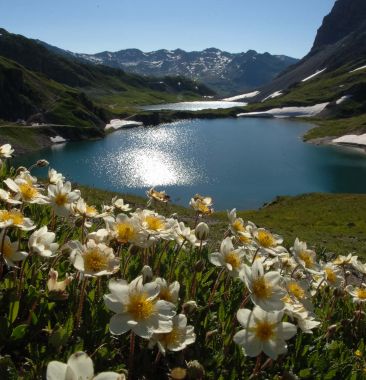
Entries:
{"x":351,"y":139}
{"x":288,"y":111}
{"x":318,"y":72}
{"x":343,"y":99}
{"x":242,"y":96}
{"x":57,"y":139}
{"x":118,"y":123}
{"x":359,"y":68}
{"x":274,"y":95}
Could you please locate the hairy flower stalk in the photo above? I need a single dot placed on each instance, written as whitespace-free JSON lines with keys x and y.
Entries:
{"x":81,"y":303}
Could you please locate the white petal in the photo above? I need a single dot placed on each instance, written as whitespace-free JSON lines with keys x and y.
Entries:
{"x":56,"y":371}
{"x":109,"y":376}
{"x":286,"y":330}
{"x":216,"y":259}
{"x":244,"y":316}
{"x":82,"y":365}
{"x":119,"y":324}
{"x":113,"y":303}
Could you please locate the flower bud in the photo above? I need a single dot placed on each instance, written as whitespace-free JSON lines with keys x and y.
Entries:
{"x":201,"y":231}
{"x":189,"y":307}
{"x":178,"y":373}
{"x":42,"y":163}
{"x":147,"y":274}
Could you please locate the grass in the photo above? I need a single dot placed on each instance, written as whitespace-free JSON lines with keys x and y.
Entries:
{"x":332,"y":222}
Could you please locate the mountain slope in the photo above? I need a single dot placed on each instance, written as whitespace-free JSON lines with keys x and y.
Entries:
{"x":109,"y":88}
{"x":333,"y":72}
{"x":226,"y":73}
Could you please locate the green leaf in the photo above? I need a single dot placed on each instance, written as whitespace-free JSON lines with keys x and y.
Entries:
{"x":19,"y":332}
{"x":305,"y":373}
{"x":13,"y":311}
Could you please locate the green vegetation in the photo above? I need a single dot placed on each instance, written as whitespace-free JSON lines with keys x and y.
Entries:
{"x":43,"y":320}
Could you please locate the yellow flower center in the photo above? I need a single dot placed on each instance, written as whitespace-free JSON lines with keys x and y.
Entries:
{"x":296,"y":290}
{"x":331,"y":276}
{"x":307,"y":258}
{"x":154,"y":223}
{"x":261,"y":288}
{"x":7,"y":249}
{"x":16,"y":216}
{"x":61,"y":199}
{"x":264,"y":330}
{"x":361,"y":293}
{"x":244,"y":239}
{"x":125,"y":232}
{"x":238,"y":226}
{"x":233,"y":259}
{"x":94,"y":260}
{"x":265,"y":239}
{"x":140,"y":307}
{"x":91,"y":210}
{"x":172,"y":338}
{"x":28,"y":191}
{"x":202,"y":207}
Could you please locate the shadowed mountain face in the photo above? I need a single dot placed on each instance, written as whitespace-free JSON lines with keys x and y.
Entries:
{"x":339,"y":47}
{"x":346,"y":17}
{"x":224,"y":72}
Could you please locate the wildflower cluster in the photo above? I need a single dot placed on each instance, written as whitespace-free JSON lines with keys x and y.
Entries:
{"x":130,"y":291}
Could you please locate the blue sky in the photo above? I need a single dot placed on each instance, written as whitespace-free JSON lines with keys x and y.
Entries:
{"x":89,"y":26}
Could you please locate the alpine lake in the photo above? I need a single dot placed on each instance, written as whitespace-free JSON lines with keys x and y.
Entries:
{"x":242,"y":162}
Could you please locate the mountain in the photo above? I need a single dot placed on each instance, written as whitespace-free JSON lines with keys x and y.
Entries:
{"x":40,"y":85}
{"x":333,"y":71}
{"x":226,"y":73}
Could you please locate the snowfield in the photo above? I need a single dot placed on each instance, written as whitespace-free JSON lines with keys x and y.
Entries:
{"x":360,"y":68}
{"x":288,"y":111}
{"x":57,"y":139}
{"x":118,"y":123}
{"x":318,"y":72}
{"x":351,"y":139}
{"x":242,"y":96}
{"x":274,"y":95}
{"x":343,"y":99}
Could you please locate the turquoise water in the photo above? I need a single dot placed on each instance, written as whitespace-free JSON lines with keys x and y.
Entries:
{"x":194,"y":106}
{"x":240,"y":162}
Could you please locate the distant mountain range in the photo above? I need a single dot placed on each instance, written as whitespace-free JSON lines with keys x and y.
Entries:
{"x":224,"y":72}
{"x":40,"y":86}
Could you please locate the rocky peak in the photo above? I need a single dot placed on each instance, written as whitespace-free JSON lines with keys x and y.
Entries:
{"x":345,"y":17}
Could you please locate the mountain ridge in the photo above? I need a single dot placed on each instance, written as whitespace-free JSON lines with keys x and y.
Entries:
{"x":225,"y":72}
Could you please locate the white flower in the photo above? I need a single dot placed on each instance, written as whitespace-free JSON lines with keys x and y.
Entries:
{"x":14,"y":218}
{"x":54,"y":176}
{"x":99,"y":236}
{"x":263,"y":331}
{"x":42,"y":242}
{"x":123,"y":228}
{"x":267,"y":242}
{"x":62,"y":198}
{"x":264,"y":287}
{"x":333,"y":275}
{"x":6,"y":197}
{"x":358,"y":293}
{"x":167,"y":292}
{"x":6,"y":151}
{"x":78,"y":367}
{"x":203,"y":205}
{"x":238,"y":228}
{"x":10,"y":252}
{"x":345,"y":260}
{"x":57,"y":286}
{"x":176,"y":340}
{"x":159,"y":196}
{"x":83,"y":209}
{"x":138,"y":308}
{"x":358,"y":265}
{"x":228,"y":257}
{"x":25,"y":190}
{"x":182,"y":234}
{"x":305,"y":257}
{"x":120,"y":204}
{"x":201,"y":231}
{"x":93,"y":259}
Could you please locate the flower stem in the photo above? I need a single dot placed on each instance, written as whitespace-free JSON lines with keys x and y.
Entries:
{"x":81,"y":303}
{"x":132,"y":356}
{"x":215,"y":287}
